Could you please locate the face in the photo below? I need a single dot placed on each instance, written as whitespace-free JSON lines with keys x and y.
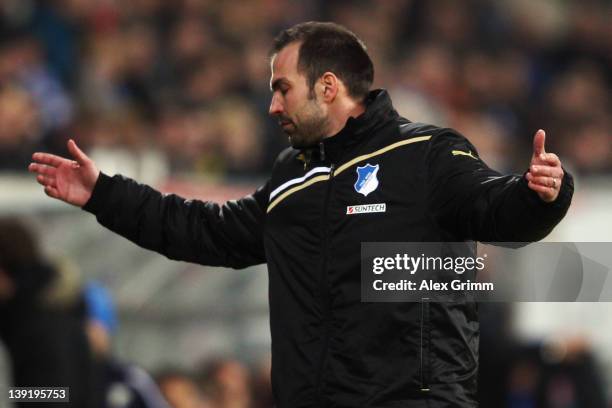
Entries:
{"x":300,"y":113}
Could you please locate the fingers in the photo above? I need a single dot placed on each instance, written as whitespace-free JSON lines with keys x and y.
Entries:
{"x":50,"y":185}
{"x":548,"y":171}
{"x":545,"y":174}
{"x":541,"y":188}
{"x":52,"y":192}
{"x":538,"y":143}
{"x":544,"y":181}
{"x":42,"y":169}
{"x":46,"y":181}
{"x":551,"y":159}
{"x":77,"y":153}
{"x":547,"y":194}
{"x":48,"y":159}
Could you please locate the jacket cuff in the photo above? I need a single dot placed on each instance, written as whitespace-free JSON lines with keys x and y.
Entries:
{"x":99,"y":195}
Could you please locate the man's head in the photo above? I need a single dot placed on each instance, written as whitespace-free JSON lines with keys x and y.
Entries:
{"x":316,"y":69}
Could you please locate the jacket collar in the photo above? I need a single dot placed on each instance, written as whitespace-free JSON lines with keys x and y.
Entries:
{"x":379,"y":110}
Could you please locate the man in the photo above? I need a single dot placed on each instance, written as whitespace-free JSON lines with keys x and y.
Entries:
{"x":328,"y":348}
{"x":41,"y":319}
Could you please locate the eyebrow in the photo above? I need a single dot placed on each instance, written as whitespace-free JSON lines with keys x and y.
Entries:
{"x":277,"y":83}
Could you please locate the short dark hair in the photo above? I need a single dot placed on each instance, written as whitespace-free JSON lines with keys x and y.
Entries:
{"x":330,"y":47}
{"x":18,"y":245}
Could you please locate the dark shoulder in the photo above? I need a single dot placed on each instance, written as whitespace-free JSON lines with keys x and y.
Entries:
{"x":439,"y":135}
{"x":409,"y":129}
{"x":439,"y":138}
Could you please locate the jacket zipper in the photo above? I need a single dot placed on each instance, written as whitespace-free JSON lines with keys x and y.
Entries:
{"x":424,"y":343}
{"x":324,"y":286}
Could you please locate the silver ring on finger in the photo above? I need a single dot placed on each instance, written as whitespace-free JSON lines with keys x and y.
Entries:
{"x":554,"y":182}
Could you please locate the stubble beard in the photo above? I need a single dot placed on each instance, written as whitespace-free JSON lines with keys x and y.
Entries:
{"x":309,"y":128}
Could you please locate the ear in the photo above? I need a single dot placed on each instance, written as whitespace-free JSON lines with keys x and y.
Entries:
{"x":330,"y":84}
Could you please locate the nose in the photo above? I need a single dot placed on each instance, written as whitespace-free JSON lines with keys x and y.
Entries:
{"x":276,"y":108}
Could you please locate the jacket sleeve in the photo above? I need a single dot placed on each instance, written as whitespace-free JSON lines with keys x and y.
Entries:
{"x":474,"y":202}
{"x":188,"y":230}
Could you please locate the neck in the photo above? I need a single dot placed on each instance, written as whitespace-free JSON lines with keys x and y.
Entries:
{"x":340,"y":114}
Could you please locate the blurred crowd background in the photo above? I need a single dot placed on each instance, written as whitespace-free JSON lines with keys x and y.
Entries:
{"x":189,"y":79}
{"x":176,"y":93}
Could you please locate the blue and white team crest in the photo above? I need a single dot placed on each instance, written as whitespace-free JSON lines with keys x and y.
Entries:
{"x":367,"y":180}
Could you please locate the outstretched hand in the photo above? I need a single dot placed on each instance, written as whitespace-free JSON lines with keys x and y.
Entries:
{"x":545,"y":174}
{"x":71,"y":181}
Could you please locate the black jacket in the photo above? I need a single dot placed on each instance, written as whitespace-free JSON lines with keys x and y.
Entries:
{"x":328,"y":348}
{"x":46,"y":343}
